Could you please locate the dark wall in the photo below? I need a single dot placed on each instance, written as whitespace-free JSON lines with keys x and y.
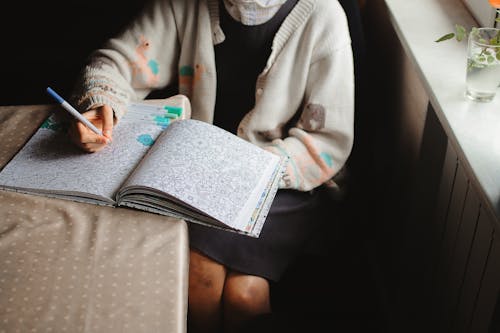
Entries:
{"x":46,"y":43}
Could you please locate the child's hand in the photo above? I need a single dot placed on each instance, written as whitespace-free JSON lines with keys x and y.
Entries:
{"x":83,"y":137}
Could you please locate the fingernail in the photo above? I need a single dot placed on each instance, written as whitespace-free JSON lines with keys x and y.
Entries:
{"x":106,"y":132}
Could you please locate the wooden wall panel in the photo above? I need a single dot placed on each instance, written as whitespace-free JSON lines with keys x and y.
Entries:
{"x":490,"y":285}
{"x":416,"y":261}
{"x":473,"y":275}
{"x":460,"y":258}
{"x":449,"y":237}
{"x":444,"y":199}
{"x":442,"y":206}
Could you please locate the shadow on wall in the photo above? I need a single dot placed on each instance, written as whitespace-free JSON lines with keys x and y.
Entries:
{"x":45,"y":44}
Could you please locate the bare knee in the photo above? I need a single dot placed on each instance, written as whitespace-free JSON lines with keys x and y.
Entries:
{"x":246,"y":295}
{"x":206,"y":281}
{"x":206,"y":277}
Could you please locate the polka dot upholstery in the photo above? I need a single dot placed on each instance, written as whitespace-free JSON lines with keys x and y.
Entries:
{"x":73,"y":267}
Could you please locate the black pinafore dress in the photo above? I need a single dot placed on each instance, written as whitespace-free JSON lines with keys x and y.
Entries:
{"x":294,"y":214}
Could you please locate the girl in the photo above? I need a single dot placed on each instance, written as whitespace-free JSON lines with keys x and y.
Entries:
{"x":278,"y":73}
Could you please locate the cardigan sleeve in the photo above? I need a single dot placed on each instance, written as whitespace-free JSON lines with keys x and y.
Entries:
{"x":319,"y":144}
{"x":140,"y":59}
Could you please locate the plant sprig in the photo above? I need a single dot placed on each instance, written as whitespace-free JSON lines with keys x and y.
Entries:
{"x":459,"y":34}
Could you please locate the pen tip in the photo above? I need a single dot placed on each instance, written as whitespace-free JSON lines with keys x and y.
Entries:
{"x":55,"y":95}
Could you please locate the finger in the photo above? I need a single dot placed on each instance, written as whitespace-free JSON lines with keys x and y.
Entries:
{"x":85,"y":138}
{"x":85,"y":135}
{"x":75,"y":134}
{"x":91,"y":114}
{"x":75,"y":137}
{"x":107,"y":120}
{"x":92,"y":147}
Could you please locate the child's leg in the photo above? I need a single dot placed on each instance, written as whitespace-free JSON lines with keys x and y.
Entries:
{"x":245,"y":297}
{"x":206,"y":282}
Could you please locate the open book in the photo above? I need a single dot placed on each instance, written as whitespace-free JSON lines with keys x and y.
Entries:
{"x":184,"y":168}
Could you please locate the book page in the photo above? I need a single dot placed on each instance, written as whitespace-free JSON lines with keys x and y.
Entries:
{"x":51,"y":164}
{"x":208,"y":169}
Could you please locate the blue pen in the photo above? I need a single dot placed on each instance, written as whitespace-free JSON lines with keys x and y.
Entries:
{"x":73,"y":111}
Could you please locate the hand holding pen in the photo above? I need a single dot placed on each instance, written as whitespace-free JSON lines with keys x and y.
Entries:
{"x":93,"y":130}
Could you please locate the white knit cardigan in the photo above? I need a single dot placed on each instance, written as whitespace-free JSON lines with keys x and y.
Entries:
{"x":304,"y":97}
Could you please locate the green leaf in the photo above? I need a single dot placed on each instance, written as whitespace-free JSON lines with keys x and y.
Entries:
{"x":490,"y":59}
{"x":445,"y":37}
{"x":496,"y":39}
{"x":460,"y":32}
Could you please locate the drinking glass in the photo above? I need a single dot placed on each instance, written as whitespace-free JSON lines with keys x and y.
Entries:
{"x":483,"y":64}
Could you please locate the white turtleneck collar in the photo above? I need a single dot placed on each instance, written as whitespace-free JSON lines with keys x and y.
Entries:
{"x":252,"y":12}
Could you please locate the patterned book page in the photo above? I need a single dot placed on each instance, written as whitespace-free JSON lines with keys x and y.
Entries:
{"x":52,"y":165}
{"x":208,"y":170}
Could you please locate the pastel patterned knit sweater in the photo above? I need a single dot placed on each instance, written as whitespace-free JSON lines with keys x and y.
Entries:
{"x":304,"y":102}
